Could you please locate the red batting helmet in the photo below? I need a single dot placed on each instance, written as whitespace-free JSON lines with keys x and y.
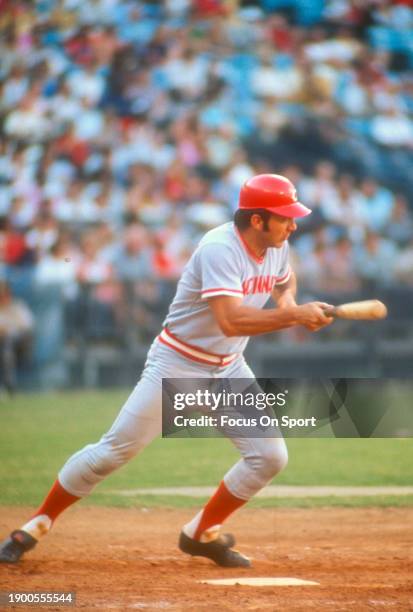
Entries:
{"x":274,"y":193}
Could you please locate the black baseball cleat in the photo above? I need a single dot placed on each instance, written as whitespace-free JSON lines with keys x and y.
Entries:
{"x":220,"y":550}
{"x":13,"y":547}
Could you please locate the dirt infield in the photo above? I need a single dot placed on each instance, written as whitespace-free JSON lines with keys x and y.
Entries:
{"x":122,"y":559}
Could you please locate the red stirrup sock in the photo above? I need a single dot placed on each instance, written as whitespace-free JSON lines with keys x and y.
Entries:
{"x":57,"y":500}
{"x":217,"y":509}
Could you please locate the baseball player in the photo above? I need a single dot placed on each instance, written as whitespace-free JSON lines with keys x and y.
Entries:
{"x":218,"y":305}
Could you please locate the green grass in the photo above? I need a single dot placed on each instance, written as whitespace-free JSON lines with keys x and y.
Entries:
{"x":39,"y":432}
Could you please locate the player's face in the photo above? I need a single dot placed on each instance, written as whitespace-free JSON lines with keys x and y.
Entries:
{"x":279,"y":230}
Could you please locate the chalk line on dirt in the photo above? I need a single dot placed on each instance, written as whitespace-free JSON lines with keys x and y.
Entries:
{"x":271,"y":491}
{"x":260,"y":582}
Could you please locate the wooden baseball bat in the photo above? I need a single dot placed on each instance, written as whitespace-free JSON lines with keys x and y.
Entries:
{"x":365,"y":309}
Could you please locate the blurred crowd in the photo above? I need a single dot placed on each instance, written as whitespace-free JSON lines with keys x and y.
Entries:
{"x":128,"y":127}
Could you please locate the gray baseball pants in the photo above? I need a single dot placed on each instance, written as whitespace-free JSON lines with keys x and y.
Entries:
{"x":140,"y":421}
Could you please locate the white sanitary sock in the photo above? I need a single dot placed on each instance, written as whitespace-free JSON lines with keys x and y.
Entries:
{"x":38,"y":526}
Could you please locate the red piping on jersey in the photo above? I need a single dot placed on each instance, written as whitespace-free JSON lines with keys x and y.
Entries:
{"x":248,"y":248}
{"x":187,"y":350}
{"x":222,"y":289}
{"x":283,"y":278}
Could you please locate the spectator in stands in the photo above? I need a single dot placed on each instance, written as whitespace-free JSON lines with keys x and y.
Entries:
{"x":343,"y":208}
{"x":341,"y":274}
{"x":376,"y":258}
{"x":22,"y":212}
{"x":376,"y":205}
{"x":310,"y":270}
{"x":57,"y":268}
{"x":131,"y":262}
{"x":403,"y":268}
{"x":16,"y":333}
{"x":399,"y":227}
{"x":28,"y":122}
{"x":392,"y":128}
{"x":100,"y":290}
{"x":76,"y":207}
{"x":14,"y":250}
{"x":43,"y":232}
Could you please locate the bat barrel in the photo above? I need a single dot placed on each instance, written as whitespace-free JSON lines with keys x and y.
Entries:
{"x":368,"y":310}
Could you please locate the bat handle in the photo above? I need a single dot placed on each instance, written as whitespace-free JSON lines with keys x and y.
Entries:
{"x":330,"y":311}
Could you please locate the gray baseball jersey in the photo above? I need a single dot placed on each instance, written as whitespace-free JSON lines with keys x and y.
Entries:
{"x":221,"y":265}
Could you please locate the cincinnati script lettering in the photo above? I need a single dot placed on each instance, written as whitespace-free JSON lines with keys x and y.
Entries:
{"x":259,"y":284}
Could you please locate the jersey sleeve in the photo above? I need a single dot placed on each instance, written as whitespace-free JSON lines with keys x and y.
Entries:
{"x":220,"y":272}
{"x":285,"y":267}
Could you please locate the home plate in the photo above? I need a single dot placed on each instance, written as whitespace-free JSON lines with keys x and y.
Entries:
{"x":260,"y":582}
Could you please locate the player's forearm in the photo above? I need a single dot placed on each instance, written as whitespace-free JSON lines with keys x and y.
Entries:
{"x":253,"y":321}
{"x":246,"y":321}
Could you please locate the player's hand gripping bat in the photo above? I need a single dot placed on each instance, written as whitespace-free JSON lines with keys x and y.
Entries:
{"x":366,"y":309}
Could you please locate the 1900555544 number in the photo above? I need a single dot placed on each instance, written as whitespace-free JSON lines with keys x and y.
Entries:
{"x":30,"y":598}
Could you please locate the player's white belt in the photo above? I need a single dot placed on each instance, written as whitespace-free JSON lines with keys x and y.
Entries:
{"x":193,"y":352}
